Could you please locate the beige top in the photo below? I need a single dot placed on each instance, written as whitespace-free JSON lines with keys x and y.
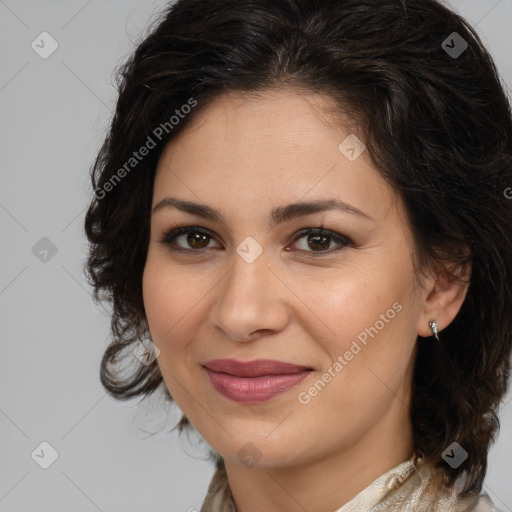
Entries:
{"x":405,"y":488}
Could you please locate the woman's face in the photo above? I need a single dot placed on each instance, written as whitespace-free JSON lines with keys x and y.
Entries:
{"x":250,"y":281}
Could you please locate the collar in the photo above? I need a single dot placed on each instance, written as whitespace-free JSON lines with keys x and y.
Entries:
{"x":405,"y":488}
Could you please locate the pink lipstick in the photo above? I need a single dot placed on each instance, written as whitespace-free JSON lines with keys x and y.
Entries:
{"x":254,"y":381}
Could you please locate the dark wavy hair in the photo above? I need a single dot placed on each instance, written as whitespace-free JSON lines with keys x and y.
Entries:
{"x":437,"y":126}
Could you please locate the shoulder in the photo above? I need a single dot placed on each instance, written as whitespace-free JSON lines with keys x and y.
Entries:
{"x":484,"y":504}
{"x":426,"y":489}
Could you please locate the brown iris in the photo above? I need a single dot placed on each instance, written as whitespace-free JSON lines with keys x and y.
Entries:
{"x":315,"y":243}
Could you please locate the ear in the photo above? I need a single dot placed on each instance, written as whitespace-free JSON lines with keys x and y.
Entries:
{"x":444,"y":294}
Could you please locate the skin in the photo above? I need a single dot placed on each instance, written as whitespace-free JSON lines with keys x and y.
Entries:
{"x":244,"y":155}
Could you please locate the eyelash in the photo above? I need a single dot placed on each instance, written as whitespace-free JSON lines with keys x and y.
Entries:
{"x":170,"y":235}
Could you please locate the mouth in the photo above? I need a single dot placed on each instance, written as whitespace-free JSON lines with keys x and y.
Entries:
{"x":254,"y":381}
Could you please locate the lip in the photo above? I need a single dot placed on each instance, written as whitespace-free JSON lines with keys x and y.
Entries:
{"x":254,"y":381}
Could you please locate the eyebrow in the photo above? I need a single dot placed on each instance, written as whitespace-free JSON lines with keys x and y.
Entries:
{"x":277,"y":215}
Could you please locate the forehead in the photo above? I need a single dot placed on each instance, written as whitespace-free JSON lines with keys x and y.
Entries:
{"x":269,"y":148}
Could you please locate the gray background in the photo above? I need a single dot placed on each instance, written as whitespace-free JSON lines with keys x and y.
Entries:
{"x":54,"y":113}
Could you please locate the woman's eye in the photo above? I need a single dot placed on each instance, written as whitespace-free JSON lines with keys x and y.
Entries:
{"x":317,"y":241}
{"x":320,"y":241}
{"x":187,"y":239}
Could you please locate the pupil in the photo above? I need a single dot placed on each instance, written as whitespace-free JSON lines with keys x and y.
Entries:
{"x":316,"y":244}
{"x":194,"y":240}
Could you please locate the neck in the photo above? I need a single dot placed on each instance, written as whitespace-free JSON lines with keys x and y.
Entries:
{"x":327,"y":483}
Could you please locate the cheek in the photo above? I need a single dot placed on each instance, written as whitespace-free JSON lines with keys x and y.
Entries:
{"x":168,"y":299}
{"x":371,"y":336}
{"x":171,"y":302}
{"x":176,"y":304}
{"x":347,"y":305}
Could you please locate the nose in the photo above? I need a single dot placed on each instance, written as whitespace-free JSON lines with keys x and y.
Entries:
{"x":251,"y":301}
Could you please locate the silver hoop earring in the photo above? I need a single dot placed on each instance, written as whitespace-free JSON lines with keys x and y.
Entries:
{"x":433,"y":327}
